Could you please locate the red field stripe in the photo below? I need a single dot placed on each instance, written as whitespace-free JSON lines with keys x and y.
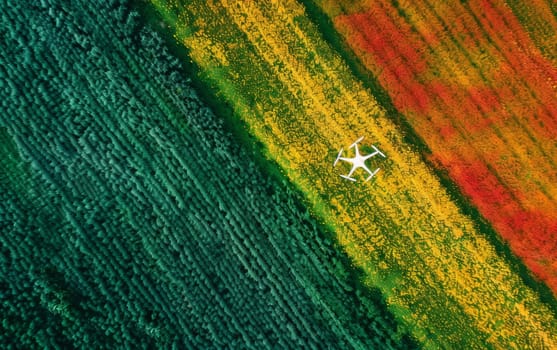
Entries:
{"x":502,"y":23}
{"x":447,"y":115}
{"x":399,"y":97}
{"x":541,"y":128}
{"x":399,"y":72}
{"x":531,"y":233}
{"x":540,"y":75}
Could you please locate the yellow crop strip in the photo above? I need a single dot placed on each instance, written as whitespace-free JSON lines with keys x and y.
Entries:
{"x":438,"y":274}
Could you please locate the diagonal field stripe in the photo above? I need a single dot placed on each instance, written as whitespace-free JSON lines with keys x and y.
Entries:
{"x":439,"y":275}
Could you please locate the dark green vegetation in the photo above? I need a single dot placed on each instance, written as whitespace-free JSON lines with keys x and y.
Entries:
{"x":130,"y":217}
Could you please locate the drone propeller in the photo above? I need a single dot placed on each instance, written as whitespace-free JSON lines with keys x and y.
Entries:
{"x":348,"y":178}
{"x":338,"y":157}
{"x":356,"y":142}
{"x":377,"y":151}
{"x":372,"y":174}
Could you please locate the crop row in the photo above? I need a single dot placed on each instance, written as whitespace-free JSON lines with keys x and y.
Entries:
{"x":474,"y":87}
{"x":129,"y":217}
{"x":438,"y":273}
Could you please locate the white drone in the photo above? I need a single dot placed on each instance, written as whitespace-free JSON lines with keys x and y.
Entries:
{"x":358,"y":161}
